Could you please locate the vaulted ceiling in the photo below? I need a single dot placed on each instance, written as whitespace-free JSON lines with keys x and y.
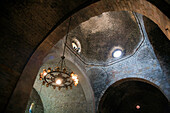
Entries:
{"x":101,"y":35}
{"x":24,"y":26}
{"x":98,"y":33}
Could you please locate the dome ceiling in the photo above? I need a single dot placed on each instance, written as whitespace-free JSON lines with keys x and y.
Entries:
{"x":101,"y":35}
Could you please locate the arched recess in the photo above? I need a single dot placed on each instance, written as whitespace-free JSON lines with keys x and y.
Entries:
{"x":60,"y":99}
{"x":133,"y":95}
{"x":30,"y":71}
{"x":85,"y":84}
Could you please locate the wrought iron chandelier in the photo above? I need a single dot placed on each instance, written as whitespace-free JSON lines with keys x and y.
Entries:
{"x":61,"y":76}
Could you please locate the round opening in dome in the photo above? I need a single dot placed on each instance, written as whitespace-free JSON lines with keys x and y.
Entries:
{"x":76,"y":45}
{"x":117,"y":53}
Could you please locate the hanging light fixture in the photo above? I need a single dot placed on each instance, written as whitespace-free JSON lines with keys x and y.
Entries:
{"x":61,"y":76}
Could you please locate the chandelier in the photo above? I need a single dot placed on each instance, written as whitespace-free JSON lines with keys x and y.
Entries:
{"x":61,"y":76}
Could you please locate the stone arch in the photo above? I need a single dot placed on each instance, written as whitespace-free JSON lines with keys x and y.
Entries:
{"x":83,"y":81}
{"x":124,"y":93}
{"x":138,"y":79}
{"x":31,"y":69}
{"x":98,"y":79}
{"x":85,"y":84}
{"x":154,"y":33}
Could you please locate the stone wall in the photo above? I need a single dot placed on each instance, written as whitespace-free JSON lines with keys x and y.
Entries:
{"x":25,"y":25}
{"x":60,"y":101}
{"x":161,"y":46}
{"x":142,"y":64}
{"x":101,"y":34}
{"x":38,"y":105}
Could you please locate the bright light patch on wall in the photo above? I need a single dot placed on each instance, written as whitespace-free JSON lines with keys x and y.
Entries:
{"x":117,"y":53}
{"x":31,"y":107}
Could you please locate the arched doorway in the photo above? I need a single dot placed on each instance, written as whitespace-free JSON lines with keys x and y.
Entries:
{"x":133,"y":96}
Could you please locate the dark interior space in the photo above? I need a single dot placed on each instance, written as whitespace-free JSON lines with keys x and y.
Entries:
{"x":126,"y":96}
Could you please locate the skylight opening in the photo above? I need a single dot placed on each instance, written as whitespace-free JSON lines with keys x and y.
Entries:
{"x":76,"y":45}
{"x":117,"y":53}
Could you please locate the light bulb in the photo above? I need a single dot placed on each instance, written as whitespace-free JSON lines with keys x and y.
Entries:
{"x":137,"y":107}
{"x":58,"y":81}
{"x":74,"y":77}
{"x":49,"y":70}
{"x":45,"y":73}
{"x":76,"y":81}
{"x":72,"y":74}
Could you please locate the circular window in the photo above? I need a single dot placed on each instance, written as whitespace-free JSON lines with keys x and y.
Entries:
{"x":117,"y":53}
{"x":76,"y":45}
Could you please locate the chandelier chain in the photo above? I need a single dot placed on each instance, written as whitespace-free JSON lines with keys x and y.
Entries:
{"x":63,"y":57}
{"x":66,"y":37}
{"x":61,"y":77}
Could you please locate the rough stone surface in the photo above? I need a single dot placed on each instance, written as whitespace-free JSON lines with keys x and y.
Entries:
{"x":63,"y":101}
{"x":161,"y":46}
{"x":38,"y":105}
{"x":119,"y":28}
{"x":143,"y":64}
{"x":25,"y":24}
